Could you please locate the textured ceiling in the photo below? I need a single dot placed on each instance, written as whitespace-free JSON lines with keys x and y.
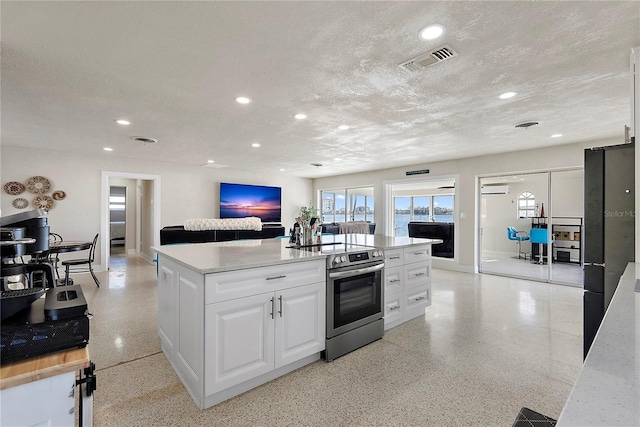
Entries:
{"x":69,"y":69}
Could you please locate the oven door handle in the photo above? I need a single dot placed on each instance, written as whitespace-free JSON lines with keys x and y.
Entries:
{"x":349,"y":273}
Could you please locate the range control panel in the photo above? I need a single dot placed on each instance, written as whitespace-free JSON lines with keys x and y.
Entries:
{"x":354,"y":258}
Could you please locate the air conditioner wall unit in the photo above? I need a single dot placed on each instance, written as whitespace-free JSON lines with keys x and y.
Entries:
{"x":495,"y":189}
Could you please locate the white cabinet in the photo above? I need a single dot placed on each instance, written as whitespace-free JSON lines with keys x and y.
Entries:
{"x":251,"y":336}
{"x":238,"y":341}
{"x":300,"y":323}
{"x":55,"y":402}
{"x":407,"y":283}
{"x":42,"y":390}
{"x":224,"y":337}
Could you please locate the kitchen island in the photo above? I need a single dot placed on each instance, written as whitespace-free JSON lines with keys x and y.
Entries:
{"x":607,"y":390}
{"x":234,"y":315}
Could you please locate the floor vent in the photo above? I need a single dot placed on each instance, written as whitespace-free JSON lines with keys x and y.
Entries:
{"x":428,"y":59}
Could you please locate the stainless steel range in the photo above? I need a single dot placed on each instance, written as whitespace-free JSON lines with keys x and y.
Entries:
{"x":354,"y":315}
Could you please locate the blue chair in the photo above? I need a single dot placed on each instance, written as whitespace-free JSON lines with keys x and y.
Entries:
{"x":519,"y":236}
{"x":539,"y":236}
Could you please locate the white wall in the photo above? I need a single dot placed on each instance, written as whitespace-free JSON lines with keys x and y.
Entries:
{"x":187,"y":191}
{"x":501,"y":211}
{"x":468,"y":171}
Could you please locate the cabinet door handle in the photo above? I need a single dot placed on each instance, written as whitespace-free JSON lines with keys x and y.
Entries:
{"x":395,"y":307}
{"x":280,"y":311}
{"x":394,"y":281}
{"x":419,"y":298}
{"x":394,"y":257}
{"x":420,"y":274}
{"x":418,"y":253}
{"x":273,"y":307}
{"x":276,"y":277}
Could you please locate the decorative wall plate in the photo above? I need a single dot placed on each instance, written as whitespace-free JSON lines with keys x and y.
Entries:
{"x":43,"y":202}
{"x":58,"y":195}
{"x":38,"y":185}
{"x":20,"y":203}
{"x":14,"y":188}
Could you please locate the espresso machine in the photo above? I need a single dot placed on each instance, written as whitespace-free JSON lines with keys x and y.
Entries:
{"x":31,"y":324}
{"x":23,"y":282}
{"x":25,"y":234}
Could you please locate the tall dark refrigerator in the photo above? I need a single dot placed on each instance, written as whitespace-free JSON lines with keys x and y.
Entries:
{"x":609,"y":240}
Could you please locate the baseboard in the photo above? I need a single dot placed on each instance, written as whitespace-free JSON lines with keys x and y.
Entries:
{"x":447,"y":264}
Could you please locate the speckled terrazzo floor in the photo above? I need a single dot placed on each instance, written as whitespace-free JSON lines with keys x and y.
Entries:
{"x":488,"y":346}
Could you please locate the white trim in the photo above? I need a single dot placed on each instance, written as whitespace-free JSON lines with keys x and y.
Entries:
{"x":388,"y":208}
{"x":104,"y":210}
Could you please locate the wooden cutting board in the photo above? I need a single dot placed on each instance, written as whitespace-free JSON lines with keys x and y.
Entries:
{"x":45,"y":366}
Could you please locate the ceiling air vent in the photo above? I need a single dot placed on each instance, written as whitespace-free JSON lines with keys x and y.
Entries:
{"x":144,"y":139}
{"x":428,"y":59}
{"x":213,"y":166}
{"x":525,"y":125}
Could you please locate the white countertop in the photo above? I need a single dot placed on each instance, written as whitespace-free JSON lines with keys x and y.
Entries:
{"x":607,"y":390}
{"x":215,"y":257}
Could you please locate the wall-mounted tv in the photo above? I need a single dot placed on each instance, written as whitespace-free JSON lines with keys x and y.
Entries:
{"x":242,"y":200}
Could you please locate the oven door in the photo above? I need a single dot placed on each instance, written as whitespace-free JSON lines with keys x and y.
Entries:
{"x":354,"y":297}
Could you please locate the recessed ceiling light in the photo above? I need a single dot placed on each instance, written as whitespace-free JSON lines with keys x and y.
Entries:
{"x":431,"y":32}
{"x":210,"y":161}
{"x":255,"y":145}
{"x":243,"y":100}
{"x":556,"y":135}
{"x":300,"y":116}
{"x":338,"y":159}
{"x":281,"y":170}
{"x":123,"y":122}
{"x":508,"y":95}
{"x":108,"y":149}
{"x":343,"y":127}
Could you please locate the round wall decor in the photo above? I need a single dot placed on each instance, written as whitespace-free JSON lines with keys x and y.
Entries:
{"x":14,"y":188}
{"x":43,"y":202}
{"x":20,"y":203}
{"x":38,"y":185}
{"x":58,"y":195}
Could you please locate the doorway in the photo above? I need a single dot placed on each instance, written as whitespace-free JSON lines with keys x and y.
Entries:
{"x":531,"y":226}
{"x":423,"y":200}
{"x":142,"y":230}
{"x":117,"y":220}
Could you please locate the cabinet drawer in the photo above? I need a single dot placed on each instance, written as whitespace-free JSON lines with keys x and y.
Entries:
{"x":416,"y":301}
{"x":417,"y":254}
{"x":393,"y":307}
{"x":393,"y":279}
{"x":417,"y":274}
{"x":393,"y":257}
{"x":241,"y":283}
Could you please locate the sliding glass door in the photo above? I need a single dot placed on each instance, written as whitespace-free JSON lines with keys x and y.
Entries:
{"x":530,"y":226}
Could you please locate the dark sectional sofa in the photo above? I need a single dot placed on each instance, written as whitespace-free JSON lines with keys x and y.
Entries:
{"x":177,"y":234}
{"x":435,"y":230}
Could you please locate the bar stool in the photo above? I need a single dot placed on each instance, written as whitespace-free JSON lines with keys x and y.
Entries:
{"x":539,"y":236}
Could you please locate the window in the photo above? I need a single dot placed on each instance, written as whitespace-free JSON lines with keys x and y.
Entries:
{"x":349,"y":204}
{"x":116,"y":203}
{"x":526,"y":205}
{"x":420,"y":208}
